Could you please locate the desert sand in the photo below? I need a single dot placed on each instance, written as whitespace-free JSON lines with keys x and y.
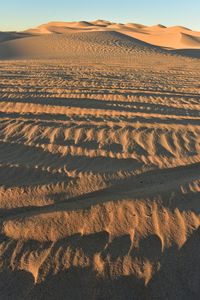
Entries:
{"x":99,"y":162}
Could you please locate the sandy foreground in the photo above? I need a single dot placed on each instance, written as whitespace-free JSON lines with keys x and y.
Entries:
{"x":100,"y":162}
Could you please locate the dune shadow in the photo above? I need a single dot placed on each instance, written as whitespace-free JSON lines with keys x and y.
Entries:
{"x":147,"y":184}
{"x":118,"y":247}
{"x":177,"y":277}
{"x":125,"y":106}
{"x":58,"y":118}
{"x":84,"y":284}
{"x":93,"y":243}
{"x":193,"y":53}
{"x":150,"y":248}
{"x":15,"y":285}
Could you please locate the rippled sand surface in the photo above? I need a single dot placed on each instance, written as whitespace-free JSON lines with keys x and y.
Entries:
{"x":99,"y":169}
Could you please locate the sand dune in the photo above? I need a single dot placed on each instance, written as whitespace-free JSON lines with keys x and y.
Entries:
{"x":170,"y":38}
{"x":99,"y":163}
{"x":158,"y":35}
{"x":94,"y":45}
{"x":104,"y":44}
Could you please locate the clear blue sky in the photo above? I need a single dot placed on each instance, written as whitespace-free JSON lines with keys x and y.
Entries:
{"x":23,"y":14}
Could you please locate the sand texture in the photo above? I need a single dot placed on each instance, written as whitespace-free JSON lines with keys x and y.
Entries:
{"x":100,"y":162}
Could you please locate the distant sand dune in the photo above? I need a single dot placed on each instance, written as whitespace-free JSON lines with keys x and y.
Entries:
{"x":67,"y":39}
{"x":81,"y":44}
{"x":158,"y":35}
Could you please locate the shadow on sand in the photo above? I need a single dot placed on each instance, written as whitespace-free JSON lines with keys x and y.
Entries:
{"x":178,"y":277}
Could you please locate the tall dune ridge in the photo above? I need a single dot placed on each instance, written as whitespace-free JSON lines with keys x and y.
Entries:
{"x":100,"y":162}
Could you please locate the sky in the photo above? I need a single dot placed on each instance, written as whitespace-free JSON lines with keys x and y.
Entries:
{"x":24,"y":14}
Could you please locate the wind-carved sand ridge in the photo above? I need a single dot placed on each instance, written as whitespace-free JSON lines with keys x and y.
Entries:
{"x":99,"y":165}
